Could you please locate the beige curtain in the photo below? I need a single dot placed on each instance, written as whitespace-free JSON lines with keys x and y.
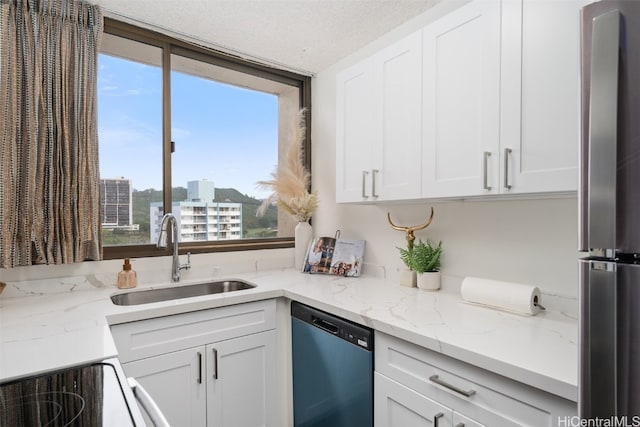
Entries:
{"x":49,"y":188}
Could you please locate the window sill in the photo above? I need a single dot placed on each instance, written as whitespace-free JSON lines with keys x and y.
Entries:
{"x":139,"y":251}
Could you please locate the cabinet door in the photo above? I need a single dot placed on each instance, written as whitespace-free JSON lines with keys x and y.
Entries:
{"x":398,"y":120}
{"x":176,"y":383}
{"x":241,"y":381}
{"x":354,"y":133}
{"x":461,"y":95}
{"x":398,"y":406}
{"x":540,"y":95}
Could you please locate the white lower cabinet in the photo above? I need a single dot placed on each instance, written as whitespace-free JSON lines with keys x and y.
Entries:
{"x":175,"y":382}
{"x":416,"y":386}
{"x":214,"y":368}
{"x":240,"y":383}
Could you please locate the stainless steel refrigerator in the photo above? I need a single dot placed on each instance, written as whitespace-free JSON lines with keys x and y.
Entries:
{"x":609,"y":199}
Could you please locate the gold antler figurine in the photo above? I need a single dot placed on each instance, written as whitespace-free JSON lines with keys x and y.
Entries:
{"x":410,"y":230}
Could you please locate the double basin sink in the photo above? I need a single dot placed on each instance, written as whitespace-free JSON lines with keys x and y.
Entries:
{"x":182,"y":291}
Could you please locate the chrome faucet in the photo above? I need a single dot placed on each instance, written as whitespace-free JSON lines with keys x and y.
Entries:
{"x":169,"y":219}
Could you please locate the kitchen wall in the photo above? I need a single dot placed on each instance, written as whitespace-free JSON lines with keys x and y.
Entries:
{"x":528,"y":241}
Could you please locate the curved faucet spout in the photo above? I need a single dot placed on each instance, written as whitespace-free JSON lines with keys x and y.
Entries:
{"x":169,"y":220}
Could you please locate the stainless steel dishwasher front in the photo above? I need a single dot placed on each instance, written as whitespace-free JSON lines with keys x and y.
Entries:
{"x":332,"y":370}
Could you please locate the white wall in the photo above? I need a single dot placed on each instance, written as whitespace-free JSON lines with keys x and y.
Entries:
{"x":528,"y":241}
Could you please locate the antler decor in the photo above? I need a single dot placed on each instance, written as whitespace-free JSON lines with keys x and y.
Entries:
{"x":411,"y":229}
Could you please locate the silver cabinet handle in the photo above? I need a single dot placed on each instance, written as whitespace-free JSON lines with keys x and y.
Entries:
{"x":199,"y":368}
{"x":364,"y":184}
{"x":485,"y":170}
{"x":215,"y":364}
{"x":602,"y":134}
{"x":507,"y":155}
{"x":374,"y":172}
{"x":436,"y":417}
{"x":436,"y":379}
{"x":460,"y":425}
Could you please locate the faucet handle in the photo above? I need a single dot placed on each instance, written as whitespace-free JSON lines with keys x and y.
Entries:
{"x":188,"y":264}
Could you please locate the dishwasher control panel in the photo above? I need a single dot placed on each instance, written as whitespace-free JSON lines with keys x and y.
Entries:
{"x":352,"y":332}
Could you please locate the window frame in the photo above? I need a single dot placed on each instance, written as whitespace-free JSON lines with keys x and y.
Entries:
{"x":169,"y":46}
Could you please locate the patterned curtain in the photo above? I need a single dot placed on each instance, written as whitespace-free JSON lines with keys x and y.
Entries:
{"x":49,"y":170}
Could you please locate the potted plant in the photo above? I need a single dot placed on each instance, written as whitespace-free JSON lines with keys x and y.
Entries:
{"x":424,"y":259}
{"x":408,"y":276}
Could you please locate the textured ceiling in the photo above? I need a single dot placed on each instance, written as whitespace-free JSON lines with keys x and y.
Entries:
{"x":301,"y":35}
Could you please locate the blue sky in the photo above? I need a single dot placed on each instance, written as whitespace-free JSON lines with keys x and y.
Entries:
{"x":223,"y":133}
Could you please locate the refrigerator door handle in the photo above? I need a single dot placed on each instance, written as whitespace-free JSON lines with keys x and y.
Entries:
{"x":598,"y":339}
{"x":599,"y":210}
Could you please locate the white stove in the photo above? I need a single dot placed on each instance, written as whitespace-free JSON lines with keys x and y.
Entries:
{"x":93,"y":395}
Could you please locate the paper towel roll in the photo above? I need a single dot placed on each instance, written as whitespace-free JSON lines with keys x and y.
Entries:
{"x":514,"y":297}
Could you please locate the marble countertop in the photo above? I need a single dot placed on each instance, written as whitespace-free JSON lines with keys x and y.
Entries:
{"x":46,"y":331}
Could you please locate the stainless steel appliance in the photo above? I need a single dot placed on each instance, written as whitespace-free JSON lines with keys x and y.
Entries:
{"x":609,"y":365}
{"x":332,"y":370}
{"x":96,"y":394}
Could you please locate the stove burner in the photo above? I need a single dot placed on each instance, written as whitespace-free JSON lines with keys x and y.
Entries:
{"x":44,"y":409}
{"x":82,"y":396}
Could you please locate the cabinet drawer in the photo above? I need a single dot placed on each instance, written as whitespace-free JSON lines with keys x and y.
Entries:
{"x":146,"y":338}
{"x":398,"y":406}
{"x":483,"y":396}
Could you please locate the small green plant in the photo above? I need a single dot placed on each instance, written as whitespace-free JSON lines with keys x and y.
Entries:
{"x":422,"y":257}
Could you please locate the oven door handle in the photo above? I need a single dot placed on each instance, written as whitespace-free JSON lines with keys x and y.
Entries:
{"x":147,"y":403}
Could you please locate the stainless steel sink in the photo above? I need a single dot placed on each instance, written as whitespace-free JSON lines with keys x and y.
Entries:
{"x":177,"y":292}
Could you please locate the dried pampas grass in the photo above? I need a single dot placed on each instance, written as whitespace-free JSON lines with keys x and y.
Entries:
{"x":291,"y":180}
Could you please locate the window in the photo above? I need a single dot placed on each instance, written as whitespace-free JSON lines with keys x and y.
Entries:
{"x":129,"y":137}
{"x":190,"y":131}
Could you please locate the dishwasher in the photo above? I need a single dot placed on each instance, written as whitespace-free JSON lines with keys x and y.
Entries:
{"x":332,"y":370}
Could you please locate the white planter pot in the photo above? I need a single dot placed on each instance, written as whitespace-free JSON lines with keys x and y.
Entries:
{"x":408,"y":278}
{"x":429,"y":281}
{"x":303,"y":235}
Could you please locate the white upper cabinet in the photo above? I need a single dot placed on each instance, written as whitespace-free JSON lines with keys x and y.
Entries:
{"x":398,"y":122}
{"x":378,"y":125}
{"x":540,"y":95}
{"x":482,"y":101}
{"x":461,"y":99}
{"x":354,"y":133}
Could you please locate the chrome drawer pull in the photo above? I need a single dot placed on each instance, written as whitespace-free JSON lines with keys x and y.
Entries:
{"x":436,"y":379}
